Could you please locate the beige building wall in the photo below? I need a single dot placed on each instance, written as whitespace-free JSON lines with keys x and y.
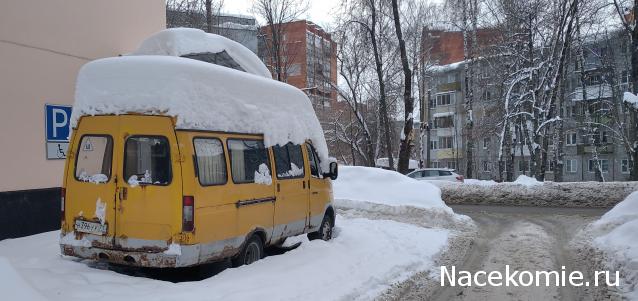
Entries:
{"x":43,"y":44}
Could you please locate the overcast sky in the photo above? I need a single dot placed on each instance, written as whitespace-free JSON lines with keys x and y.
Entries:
{"x":321,"y":11}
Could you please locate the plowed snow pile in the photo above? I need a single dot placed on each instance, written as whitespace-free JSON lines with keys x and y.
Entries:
{"x":615,"y":236}
{"x":381,"y":192}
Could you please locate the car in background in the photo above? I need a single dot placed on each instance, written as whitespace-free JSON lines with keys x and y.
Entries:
{"x":436,"y":174}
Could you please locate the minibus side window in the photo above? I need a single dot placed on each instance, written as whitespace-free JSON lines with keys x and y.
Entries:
{"x":93,"y":160}
{"x":289,"y":161}
{"x":313,"y":161}
{"x":247,"y":159}
{"x":211,"y":162}
{"x":147,"y":160}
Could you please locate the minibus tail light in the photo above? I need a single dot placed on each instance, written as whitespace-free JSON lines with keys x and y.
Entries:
{"x":62,"y":199}
{"x":188,"y":213}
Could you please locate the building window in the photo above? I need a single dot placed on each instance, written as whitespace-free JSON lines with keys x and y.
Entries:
{"x":571,"y":139}
{"x":446,"y":142}
{"x":451,"y":165}
{"x":624,"y":166}
{"x":433,"y":144}
{"x":486,"y":166}
{"x":444,"y":122}
{"x":570,"y":165}
{"x":451,"y":77}
{"x":604,"y":165}
{"x":486,"y":143}
{"x":523,"y":166}
{"x":434,"y":164}
{"x":600,"y":138}
{"x":444,"y":99}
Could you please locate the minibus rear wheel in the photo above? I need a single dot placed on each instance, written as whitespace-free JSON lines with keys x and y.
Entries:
{"x":325,"y":231}
{"x":252,"y":251}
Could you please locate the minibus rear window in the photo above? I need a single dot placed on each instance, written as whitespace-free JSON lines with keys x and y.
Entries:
{"x":247,"y":158}
{"x":147,"y":160}
{"x":93,"y":163}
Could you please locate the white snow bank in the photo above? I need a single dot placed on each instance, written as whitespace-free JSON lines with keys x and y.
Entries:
{"x":527,"y":181}
{"x":364,"y":259}
{"x":201,"y":95}
{"x":521,"y":180}
{"x":479,"y":182}
{"x":622,"y":212}
{"x":183,"y":41}
{"x":616,"y":235}
{"x":631,"y":99}
{"x":376,"y":185}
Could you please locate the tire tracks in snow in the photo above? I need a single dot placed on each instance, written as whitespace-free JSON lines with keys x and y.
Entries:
{"x":526,"y":238}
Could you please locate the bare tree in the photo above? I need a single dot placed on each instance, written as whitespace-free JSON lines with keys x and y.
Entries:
{"x":277,"y":13}
{"x":193,"y":13}
{"x":406,"y":135}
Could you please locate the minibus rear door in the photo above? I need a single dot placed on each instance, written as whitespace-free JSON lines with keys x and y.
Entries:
{"x":149,"y":209}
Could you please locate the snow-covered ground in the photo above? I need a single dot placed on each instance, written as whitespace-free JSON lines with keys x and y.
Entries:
{"x":614,"y":237}
{"x":387,"y":232}
{"x":362,"y":260}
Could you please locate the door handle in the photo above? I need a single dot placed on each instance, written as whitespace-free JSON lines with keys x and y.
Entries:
{"x":315,"y":192}
{"x":123,"y":193}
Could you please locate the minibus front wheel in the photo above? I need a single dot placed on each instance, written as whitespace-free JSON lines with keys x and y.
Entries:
{"x":325,"y":231}
{"x":252,"y":251}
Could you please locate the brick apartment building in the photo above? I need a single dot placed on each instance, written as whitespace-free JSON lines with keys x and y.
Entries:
{"x":309,"y":62}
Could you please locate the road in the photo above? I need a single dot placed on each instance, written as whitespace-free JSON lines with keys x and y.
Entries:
{"x":525,"y":238}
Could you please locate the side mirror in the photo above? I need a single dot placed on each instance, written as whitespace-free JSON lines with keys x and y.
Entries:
{"x":334,"y":171}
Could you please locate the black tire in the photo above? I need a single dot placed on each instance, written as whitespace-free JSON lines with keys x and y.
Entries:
{"x":325,"y":230}
{"x":252,"y":251}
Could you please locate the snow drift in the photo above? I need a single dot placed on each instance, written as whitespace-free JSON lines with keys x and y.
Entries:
{"x":183,"y":41}
{"x":615,"y":237}
{"x":201,"y":96}
{"x":386,"y":187}
{"x":383,"y":194}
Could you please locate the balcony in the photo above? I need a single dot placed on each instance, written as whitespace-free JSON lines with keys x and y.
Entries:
{"x":593,"y":92}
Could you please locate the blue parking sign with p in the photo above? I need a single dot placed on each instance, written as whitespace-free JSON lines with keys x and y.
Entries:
{"x":58,"y":118}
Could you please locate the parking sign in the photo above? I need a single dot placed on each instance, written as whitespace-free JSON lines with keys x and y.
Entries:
{"x":58,"y":128}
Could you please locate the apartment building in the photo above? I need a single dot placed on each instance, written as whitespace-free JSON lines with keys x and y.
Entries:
{"x":594,"y":98}
{"x":309,"y":62}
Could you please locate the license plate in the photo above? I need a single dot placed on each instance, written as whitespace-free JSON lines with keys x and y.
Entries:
{"x":90,"y":227}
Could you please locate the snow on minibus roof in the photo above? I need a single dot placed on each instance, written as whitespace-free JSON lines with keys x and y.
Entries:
{"x":183,"y":41}
{"x":201,"y":96}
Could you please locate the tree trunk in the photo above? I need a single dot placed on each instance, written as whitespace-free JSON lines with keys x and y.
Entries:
{"x":408,"y":101}
{"x":209,"y":16}
{"x":383,"y":110}
{"x":633,"y":111}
